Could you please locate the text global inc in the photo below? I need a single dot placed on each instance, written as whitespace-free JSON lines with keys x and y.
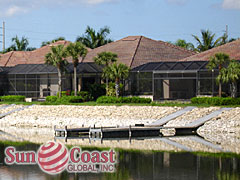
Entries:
{"x":54,"y":158}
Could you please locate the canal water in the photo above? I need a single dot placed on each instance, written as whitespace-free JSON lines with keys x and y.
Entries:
{"x":138,"y":165}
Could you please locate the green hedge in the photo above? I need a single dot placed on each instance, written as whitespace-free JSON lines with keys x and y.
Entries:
{"x":97,"y":90}
{"x":217,"y":101}
{"x":84,"y":94}
{"x":70,"y":99}
{"x":13,"y":98}
{"x":51,"y":99}
{"x":111,"y":99}
{"x":64,"y":99}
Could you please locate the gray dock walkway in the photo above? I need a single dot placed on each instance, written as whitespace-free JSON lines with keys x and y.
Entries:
{"x":15,"y":110}
{"x":206,"y":118}
{"x":172,"y":116}
{"x":7,"y":106}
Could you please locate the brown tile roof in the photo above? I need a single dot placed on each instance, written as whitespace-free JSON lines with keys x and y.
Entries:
{"x":137,"y":50}
{"x":27,"y":57}
{"x":232,"y":49}
{"x":132,"y":51}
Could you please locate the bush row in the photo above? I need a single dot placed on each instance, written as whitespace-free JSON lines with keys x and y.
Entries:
{"x":84,"y":94}
{"x":111,"y":99}
{"x":13,"y":98}
{"x":217,"y":101}
{"x":65,"y":99}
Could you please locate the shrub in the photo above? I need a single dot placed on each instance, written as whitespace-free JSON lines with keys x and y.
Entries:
{"x":84,"y":94}
{"x":112,"y":99}
{"x":96,"y":90}
{"x":70,"y":99}
{"x":106,"y":99}
{"x":75,"y":99}
{"x":51,"y":99}
{"x":64,"y":93}
{"x":217,"y":101}
{"x":13,"y":98}
{"x":111,"y":91}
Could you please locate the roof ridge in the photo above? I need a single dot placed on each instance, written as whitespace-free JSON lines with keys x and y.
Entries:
{"x":9,"y":58}
{"x":135,"y":52}
{"x":212,"y":49}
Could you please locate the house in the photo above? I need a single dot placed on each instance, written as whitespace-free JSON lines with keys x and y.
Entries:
{"x":29,"y":76}
{"x":184,"y":78}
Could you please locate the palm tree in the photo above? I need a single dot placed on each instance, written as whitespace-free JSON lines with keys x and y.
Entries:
{"x":44,"y":43}
{"x":92,"y":39}
{"x":106,"y":59}
{"x":57,"y":58}
{"x":182,"y":43}
{"x":116,"y":72}
{"x":20,"y":45}
{"x":207,"y":42}
{"x":219,"y":60}
{"x":231,"y":74}
{"x":76,"y":50}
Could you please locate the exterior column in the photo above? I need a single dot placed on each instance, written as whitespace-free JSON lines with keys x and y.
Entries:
{"x":166,"y":89}
{"x":153,"y":85}
{"x":79,"y":83}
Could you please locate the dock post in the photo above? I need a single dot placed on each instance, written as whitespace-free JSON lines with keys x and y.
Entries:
{"x":54,"y":130}
{"x":65,"y":131}
{"x":101,"y":135}
{"x":130,"y":133}
{"x":89,"y":132}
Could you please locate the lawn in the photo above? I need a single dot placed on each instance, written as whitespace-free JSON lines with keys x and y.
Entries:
{"x":93,"y":103}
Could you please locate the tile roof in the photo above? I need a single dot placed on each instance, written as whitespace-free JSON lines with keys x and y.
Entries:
{"x":132,"y":51}
{"x":27,"y":57}
{"x":137,"y":50}
{"x":232,"y":49}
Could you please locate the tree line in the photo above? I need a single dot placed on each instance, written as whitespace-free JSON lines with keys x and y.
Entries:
{"x":90,"y":39}
{"x":207,"y":41}
{"x":93,"y":39}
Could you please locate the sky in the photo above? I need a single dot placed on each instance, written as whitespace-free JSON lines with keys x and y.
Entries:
{"x":167,"y":20}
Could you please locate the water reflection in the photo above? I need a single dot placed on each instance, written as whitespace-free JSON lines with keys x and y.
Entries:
{"x":138,"y":165}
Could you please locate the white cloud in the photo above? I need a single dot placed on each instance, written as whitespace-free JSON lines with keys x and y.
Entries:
{"x":13,"y":7}
{"x":14,"y":10}
{"x":231,"y":4}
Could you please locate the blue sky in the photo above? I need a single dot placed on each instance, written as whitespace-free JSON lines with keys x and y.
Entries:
{"x":167,"y":20}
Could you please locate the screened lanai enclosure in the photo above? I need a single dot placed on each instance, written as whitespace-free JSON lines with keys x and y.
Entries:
{"x":158,"y":80}
{"x":41,"y":80}
{"x":175,"y":80}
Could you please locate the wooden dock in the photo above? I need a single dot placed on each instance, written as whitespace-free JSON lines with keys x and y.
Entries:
{"x":141,"y":131}
{"x":109,"y":132}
